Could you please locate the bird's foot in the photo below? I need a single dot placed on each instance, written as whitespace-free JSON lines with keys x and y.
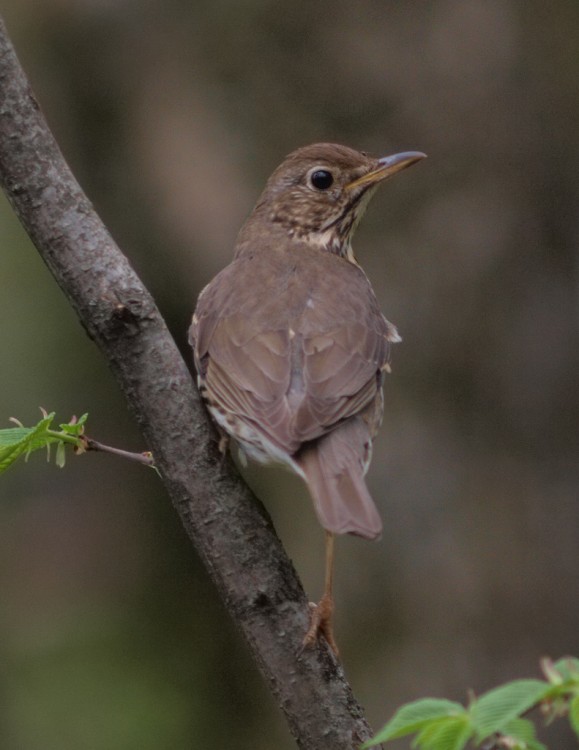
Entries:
{"x":321,"y":624}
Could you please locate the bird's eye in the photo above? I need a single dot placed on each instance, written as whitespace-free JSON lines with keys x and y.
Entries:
{"x":321,"y":179}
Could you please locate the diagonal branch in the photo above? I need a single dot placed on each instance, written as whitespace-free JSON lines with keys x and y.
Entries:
{"x":227,"y":525}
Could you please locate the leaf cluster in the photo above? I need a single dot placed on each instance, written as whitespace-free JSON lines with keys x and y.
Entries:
{"x":20,"y":441}
{"x":496,"y":719}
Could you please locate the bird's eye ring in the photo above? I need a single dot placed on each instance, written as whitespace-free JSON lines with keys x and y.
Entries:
{"x":321,"y":179}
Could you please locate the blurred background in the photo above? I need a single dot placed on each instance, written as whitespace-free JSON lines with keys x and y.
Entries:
{"x":172,"y":115}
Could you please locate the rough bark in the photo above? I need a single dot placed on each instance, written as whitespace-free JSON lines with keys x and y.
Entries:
{"x":227,"y":525}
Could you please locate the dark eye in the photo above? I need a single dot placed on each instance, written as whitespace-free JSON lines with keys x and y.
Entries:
{"x":321,"y":179}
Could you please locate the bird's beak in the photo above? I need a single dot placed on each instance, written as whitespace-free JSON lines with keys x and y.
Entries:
{"x":388,"y":166}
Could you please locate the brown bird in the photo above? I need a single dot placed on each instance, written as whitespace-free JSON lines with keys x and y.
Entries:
{"x":290,"y":345}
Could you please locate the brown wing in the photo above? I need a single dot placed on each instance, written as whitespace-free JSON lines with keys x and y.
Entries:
{"x":300,"y":356}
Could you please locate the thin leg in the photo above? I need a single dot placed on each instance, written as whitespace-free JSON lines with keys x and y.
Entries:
{"x":321,"y":623}
{"x":329,"y":574}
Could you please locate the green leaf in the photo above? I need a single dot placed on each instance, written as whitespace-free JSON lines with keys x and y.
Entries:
{"x":574,"y":714}
{"x":16,"y":441}
{"x":494,"y":710}
{"x":450,"y":733}
{"x":75,"y":428}
{"x":568,"y":668}
{"x":520,"y":729}
{"x":523,"y":732}
{"x":22,"y":441}
{"x":413,"y":717}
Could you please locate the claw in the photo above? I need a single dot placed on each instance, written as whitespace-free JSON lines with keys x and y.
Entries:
{"x":321,"y":624}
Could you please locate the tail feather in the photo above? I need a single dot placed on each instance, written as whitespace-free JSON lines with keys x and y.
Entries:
{"x":334,"y":468}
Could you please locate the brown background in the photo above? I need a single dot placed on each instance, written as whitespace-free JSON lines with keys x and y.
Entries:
{"x":172,"y":114}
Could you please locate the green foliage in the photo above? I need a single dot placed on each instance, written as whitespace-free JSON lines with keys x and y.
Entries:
{"x":22,"y":441}
{"x":496,"y":709}
{"x":498,"y":714}
{"x":418,"y":716}
{"x":522,"y":735}
{"x":449,"y":733}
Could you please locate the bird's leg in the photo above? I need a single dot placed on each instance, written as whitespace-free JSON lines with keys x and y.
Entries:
{"x":321,"y":622}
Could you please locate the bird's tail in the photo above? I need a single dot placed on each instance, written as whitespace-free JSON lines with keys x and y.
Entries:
{"x":334,"y":468}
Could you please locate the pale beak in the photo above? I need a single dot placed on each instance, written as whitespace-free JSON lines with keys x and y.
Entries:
{"x":388,"y":166}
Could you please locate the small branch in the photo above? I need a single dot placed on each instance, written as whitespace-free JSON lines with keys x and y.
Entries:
{"x":89,"y":444}
{"x":228,"y":526}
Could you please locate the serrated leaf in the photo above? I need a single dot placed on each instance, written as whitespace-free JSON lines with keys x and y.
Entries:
{"x":414,"y":716}
{"x":22,"y":441}
{"x":16,"y":441}
{"x":495,"y":709}
{"x":450,"y":733}
{"x":574,"y":714}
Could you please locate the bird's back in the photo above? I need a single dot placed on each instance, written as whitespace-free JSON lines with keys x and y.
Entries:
{"x":292,"y":342}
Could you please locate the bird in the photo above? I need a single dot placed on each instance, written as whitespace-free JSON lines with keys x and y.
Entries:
{"x":290,"y":345}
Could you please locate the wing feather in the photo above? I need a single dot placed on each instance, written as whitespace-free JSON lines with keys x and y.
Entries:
{"x":309,"y":360}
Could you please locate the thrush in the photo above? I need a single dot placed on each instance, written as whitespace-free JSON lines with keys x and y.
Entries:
{"x":291,"y":347}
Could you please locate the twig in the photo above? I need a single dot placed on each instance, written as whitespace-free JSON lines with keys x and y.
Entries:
{"x":145,"y":458}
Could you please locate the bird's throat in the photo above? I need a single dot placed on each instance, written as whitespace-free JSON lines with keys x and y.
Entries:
{"x":331,"y":241}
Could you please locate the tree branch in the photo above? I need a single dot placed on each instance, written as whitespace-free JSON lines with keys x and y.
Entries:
{"x":228,"y":526}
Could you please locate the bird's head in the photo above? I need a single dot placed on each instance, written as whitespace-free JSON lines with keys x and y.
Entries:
{"x":320,"y":192}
